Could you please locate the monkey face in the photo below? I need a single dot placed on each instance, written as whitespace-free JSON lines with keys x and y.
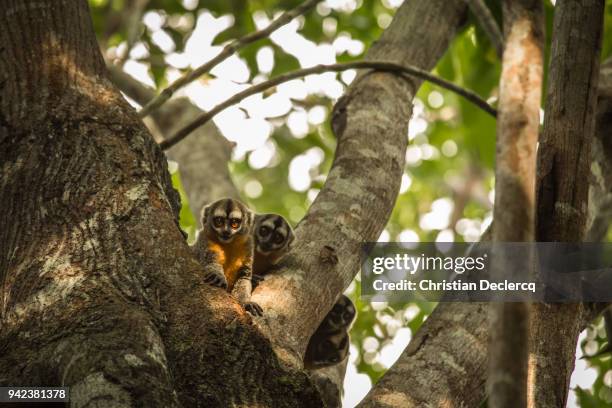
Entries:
{"x":340,"y":317}
{"x":326,"y":349}
{"x":272,"y":233}
{"x":227,"y":218}
{"x":330,"y":350}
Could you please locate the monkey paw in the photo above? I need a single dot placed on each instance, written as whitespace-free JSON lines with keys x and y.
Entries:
{"x":216,"y":279}
{"x":253,"y":308}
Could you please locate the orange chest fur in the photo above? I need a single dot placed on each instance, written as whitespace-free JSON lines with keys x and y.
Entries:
{"x":232,"y":257}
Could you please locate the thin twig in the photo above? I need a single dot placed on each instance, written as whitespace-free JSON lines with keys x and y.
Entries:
{"x":381,"y":66}
{"x":488,"y":23}
{"x":229,"y":50}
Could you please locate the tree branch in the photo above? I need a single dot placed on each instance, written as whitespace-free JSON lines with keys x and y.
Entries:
{"x":130,"y":85}
{"x":362,"y":185}
{"x":409,"y":70}
{"x":600,"y":197}
{"x":488,"y":24}
{"x":514,"y":208}
{"x":229,"y":50}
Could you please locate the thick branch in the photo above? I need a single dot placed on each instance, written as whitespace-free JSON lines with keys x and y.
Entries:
{"x":600,"y":196}
{"x":229,"y":50}
{"x":362,"y":186}
{"x":514,"y":209}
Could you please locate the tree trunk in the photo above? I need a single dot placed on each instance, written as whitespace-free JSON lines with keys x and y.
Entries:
{"x":564,"y":165}
{"x":514,"y":210}
{"x":99,"y":290}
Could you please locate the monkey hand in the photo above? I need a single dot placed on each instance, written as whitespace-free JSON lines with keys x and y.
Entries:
{"x":215,"y":278}
{"x":253,"y":308}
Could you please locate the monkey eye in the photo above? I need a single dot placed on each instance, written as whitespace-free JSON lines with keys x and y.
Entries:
{"x":278,"y":238}
{"x":218,"y":221}
{"x":235,"y":223}
{"x":264,"y":231}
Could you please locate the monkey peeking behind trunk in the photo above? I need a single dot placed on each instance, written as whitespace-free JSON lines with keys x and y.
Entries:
{"x":329,"y":345}
{"x":225,"y":248}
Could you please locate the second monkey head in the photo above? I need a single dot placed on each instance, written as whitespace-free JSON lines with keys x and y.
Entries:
{"x":272,"y":234}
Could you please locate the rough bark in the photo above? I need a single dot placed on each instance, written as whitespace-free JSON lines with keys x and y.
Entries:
{"x":446,"y":362}
{"x":514,"y":209}
{"x":99,"y":290}
{"x":564,"y":165}
{"x":363,"y":183}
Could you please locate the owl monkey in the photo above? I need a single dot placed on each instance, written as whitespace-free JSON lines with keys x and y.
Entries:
{"x":329,"y":345}
{"x":225,"y":248}
{"x":273,"y":236}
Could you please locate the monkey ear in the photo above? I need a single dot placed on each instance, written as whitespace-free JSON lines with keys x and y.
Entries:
{"x":290,"y":240}
{"x":205,"y":212}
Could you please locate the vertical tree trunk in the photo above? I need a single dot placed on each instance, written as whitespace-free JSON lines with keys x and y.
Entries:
{"x":71,"y":177}
{"x":517,"y":134}
{"x":563,"y":170}
{"x":99,"y":290}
